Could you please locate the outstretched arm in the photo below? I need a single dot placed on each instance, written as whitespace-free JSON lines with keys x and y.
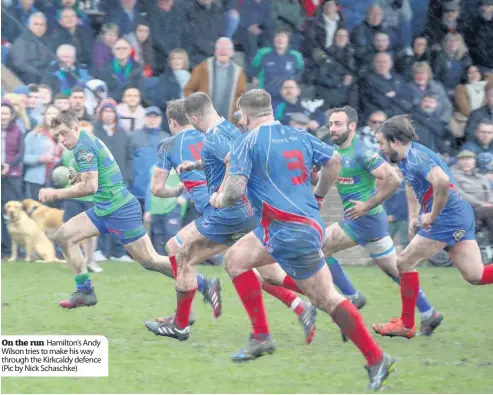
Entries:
{"x":158,"y":185}
{"x":387,"y":184}
{"x":232,"y":189}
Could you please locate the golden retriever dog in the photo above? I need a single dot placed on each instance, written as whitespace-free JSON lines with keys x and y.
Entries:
{"x":47,"y":218}
{"x":23,"y":230}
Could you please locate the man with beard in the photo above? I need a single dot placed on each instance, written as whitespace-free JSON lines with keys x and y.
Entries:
{"x":444,"y":218}
{"x":365,"y":221}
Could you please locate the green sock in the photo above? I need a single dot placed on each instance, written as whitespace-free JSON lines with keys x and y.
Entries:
{"x":82,"y":278}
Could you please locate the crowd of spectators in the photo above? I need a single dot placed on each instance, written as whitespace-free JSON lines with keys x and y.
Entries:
{"x":116,"y":63}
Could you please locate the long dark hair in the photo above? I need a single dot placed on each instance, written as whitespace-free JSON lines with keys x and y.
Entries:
{"x":146,"y":46}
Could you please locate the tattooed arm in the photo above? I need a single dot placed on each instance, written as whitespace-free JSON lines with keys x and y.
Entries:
{"x":230,"y":192}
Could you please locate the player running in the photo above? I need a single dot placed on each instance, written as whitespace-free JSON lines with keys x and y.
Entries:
{"x":215,"y":230}
{"x":115,"y":210}
{"x":272,"y":163}
{"x":365,"y":221}
{"x":443,"y":217}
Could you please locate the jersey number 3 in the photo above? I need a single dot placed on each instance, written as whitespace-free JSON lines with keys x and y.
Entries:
{"x":296,"y":162}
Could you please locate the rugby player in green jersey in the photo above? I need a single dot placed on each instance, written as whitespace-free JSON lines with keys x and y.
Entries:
{"x":365,"y":181}
{"x":115,"y":211}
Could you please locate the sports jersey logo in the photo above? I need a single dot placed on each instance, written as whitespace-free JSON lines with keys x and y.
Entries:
{"x":459,"y":234}
{"x":85,"y":156}
{"x":345,"y":180}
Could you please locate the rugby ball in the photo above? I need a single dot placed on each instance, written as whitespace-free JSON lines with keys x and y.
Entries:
{"x":60,"y":176}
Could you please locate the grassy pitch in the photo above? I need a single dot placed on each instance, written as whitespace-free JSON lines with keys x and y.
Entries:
{"x":458,"y":358}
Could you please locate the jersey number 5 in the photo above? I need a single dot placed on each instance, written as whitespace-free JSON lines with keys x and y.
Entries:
{"x":296,"y":162}
{"x":196,"y":150}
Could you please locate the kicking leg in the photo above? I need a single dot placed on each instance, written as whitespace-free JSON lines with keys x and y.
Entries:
{"x":194,"y":249}
{"x":68,"y":237}
{"x":306,"y":312}
{"x":382,"y":251}
{"x":322,"y":293}
{"x":467,"y":257}
{"x":337,"y":240}
{"x":210,"y":288}
{"x":247,"y":254}
{"x":143,"y":252}
{"x":419,"y":249}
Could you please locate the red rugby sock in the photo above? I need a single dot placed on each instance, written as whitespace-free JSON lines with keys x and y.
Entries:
{"x":174,"y":266}
{"x":487,"y":277}
{"x":409,"y":296}
{"x":285,"y":296}
{"x":349,"y":319}
{"x":248,"y":287}
{"x":290,"y":284}
{"x":184,"y":301}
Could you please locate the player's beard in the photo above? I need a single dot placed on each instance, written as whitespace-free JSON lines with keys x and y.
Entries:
{"x":341,"y":139}
{"x":393,"y":156}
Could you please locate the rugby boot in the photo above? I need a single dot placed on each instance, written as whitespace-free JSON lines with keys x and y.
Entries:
{"x":395,"y":328}
{"x":168,"y":329}
{"x":307,"y":320}
{"x":191,"y":319}
{"x":79,"y":298}
{"x":359,"y":300}
{"x":257,"y":346}
{"x":379,"y":372}
{"x":430,"y":324}
{"x":212,"y":295}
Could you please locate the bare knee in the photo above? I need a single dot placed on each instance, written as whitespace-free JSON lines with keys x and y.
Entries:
{"x":171,"y":247}
{"x":404,"y":264}
{"x":472,"y":278}
{"x":62,"y":238}
{"x":232,"y":264}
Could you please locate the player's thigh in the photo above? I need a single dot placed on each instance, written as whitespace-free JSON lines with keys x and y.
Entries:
{"x":336,"y":239}
{"x":76,"y":229}
{"x":467,"y":258}
{"x":191,"y":247}
{"x":247,"y":253}
{"x":141,"y":249}
{"x":320,"y":289}
{"x":419,"y":249}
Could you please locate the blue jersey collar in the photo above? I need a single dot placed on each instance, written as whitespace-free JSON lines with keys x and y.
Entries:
{"x":216,"y":124}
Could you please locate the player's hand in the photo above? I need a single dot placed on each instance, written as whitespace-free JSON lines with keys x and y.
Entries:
{"x":412,"y":228}
{"x":391,"y":218}
{"x":47,"y":195}
{"x":186,"y":165}
{"x":359,"y":209}
{"x":147,"y":217}
{"x":426,"y":221}
{"x":5,"y":168}
{"x":74,"y":177}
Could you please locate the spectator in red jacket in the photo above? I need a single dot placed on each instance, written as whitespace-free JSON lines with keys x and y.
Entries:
{"x":12,"y":155}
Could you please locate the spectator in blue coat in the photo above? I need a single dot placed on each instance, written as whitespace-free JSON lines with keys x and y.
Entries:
{"x":143,"y":149}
